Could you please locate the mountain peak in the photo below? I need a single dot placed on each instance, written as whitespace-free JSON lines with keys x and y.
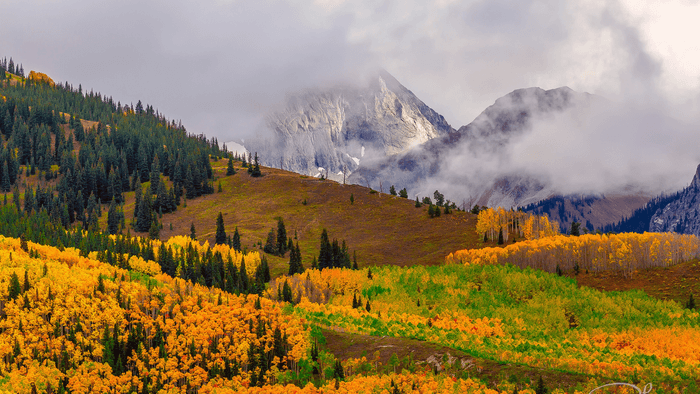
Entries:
{"x":335,"y":128}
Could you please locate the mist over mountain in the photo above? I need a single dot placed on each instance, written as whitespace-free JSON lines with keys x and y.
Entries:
{"x":529,"y":145}
{"x":332,"y":131}
{"x":474,"y":163}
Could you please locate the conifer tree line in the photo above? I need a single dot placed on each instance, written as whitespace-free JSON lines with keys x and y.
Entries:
{"x":333,"y":254}
{"x":127,"y":147}
{"x":10,"y":67}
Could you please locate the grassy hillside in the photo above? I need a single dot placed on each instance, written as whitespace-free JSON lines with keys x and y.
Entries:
{"x":382,"y":229}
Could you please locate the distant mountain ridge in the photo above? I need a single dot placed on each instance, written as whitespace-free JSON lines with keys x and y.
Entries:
{"x":329,"y":132}
{"x":594,"y":212}
{"x":682,"y":213}
{"x":490,"y":133}
{"x":379,"y":134}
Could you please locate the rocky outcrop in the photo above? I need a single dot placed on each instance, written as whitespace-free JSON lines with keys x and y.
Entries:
{"x":332,"y":131}
{"x":682,"y":214}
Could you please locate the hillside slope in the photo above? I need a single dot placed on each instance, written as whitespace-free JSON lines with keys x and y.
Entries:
{"x":382,"y":229}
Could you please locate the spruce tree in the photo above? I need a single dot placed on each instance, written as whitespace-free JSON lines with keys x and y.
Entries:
{"x":256,"y":168}
{"x":575,"y":229}
{"x":14,"y":287}
{"x":403,"y":193}
{"x":26,"y":285}
{"x":154,"y":230}
{"x":193,"y":233}
{"x":271,"y":243}
{"x":500,"y":236}
{"x":5,"y":183}
{"x":281,"y":237}
{"x":220,"y":232}
{"x":325,"y":255}
{"x":243,"y":277}
{"x":113,"y":219}
{"x":236,"y":241}
{"x":229,"y":169}
{"x":392,"y":190}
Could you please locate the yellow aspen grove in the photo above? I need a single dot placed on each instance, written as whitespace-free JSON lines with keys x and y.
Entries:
{"x":491,"y":221}
{"x":624,"y":252}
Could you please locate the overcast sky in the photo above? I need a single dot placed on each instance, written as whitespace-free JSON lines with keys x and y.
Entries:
{"x":217,"y":65}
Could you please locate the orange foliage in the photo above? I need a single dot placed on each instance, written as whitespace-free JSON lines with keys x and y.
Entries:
{"x":528,"y":226}
{"x":594,"y":252}
{"x":41,"y":77}
{"x":63,"y":317}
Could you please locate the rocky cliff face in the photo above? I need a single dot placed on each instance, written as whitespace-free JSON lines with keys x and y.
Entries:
{"x":328,"y":132}
{"x":682,"y":214}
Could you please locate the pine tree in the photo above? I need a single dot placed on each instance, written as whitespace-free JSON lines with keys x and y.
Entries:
{"x":154,"y":230}
{"x":286,"y":292}
{"x":256,"y":168}
{"x":243,"y":277}
{"x":500,"y":236}
{"x":5,"y":183}
{"x":325,"y":256}
{"x":392,"y":190}
{"x":26,"y":285}
{"x":281,"y":237}
{"x":691,"y":302}
{"x":113,"y":219}
{"x":271,"y":243}
{"x":439,"y":198}
{"x":229,"y":169}
{"x":193,"y":233}
{"x":220,"y":231}
{"x":14,"y":287}
{"x":236,"y":241}
{"x":403,"y":193}
{"x":295,"y":266}
{"x":575,"y":229}
{"x":417,"y":202}
{"x":144,"y":217}
{"x":155,"y":175}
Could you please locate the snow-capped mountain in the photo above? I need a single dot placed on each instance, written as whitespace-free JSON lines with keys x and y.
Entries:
{"x":334,"y":130}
